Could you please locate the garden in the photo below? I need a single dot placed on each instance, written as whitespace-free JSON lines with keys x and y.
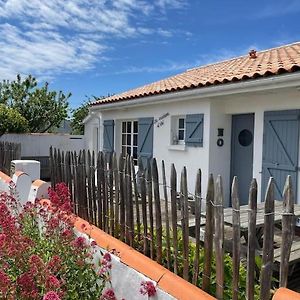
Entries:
{"x":42,"y":257}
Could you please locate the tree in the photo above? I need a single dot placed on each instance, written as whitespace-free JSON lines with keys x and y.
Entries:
{"x":79,"y":114}
{"x":11,"y":121}
{"x":43,"y":109}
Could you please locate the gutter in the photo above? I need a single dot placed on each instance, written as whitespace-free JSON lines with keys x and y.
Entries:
{"x":265,"y":84}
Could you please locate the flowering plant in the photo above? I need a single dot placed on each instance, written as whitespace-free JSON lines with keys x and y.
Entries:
{"x":40,"y":255}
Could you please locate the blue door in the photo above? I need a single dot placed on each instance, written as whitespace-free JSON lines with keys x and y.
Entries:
{"x":280,"y":149}
{"x":242,"y":153}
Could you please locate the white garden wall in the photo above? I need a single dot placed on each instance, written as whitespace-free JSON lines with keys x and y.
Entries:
{"x":38,"y":144}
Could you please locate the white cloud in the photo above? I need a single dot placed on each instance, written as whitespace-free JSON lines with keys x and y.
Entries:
{"x":47,"y":38}
{"x":165,"y":4}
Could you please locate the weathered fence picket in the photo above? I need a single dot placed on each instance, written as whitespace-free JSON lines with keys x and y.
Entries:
{"x":236,"y":233}
{"x":173,"y":184}
{"x":219,"y":238}
{"x":252,"y":207}
{"x":8,"y":152}
{"x":197,"y":226}
{"x":109,"y":193}
{"x":166,"y":214}
{"x":209,"y":230}
{"x":288,"y":228}
{"x":268,"y":244}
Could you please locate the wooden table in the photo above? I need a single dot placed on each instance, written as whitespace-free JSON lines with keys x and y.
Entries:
{"x":259,"y":219}
{"x":259,"y":216}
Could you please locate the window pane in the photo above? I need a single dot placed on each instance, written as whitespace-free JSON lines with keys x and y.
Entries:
{"x":181,"y":123}
{"x":123,"y":139}
{"x":128,"y":127}
{"x":123,"y":127}
{"x":129,"y":150}
{"x":181,"y":135}
{"x":135,"y":126}
{"x":134,"y":152}
{"x":135,"y":139}
{"x":128,"y":139}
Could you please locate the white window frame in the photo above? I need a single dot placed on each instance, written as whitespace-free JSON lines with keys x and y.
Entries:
{"x":175,"y":130}
{"x":132,"y":133}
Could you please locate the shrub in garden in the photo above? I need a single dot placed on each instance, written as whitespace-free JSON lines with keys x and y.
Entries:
{"x":40,"y":255}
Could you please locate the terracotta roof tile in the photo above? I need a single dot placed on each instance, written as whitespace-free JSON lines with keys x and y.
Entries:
{"x":284,"y":59}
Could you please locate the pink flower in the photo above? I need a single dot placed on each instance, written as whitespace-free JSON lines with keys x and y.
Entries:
{"x":51,"y":296}
{"x":4,"y":282}
{"x":2,"y":239}
{"x":107,"y":256}
{"x":93,"y":244}
{"x":79,"y":242}
{"x":147,"y":288}
{"x":52,"y":282}
{"x":109,"y":294}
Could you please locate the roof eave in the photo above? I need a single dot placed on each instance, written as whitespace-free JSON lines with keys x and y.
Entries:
{"x":268,"y":83}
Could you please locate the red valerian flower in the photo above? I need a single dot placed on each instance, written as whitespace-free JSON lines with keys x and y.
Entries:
{"x":107,"y":256}
{"x":79,"y":242}
{"x":52,"y":282}
{"x":147,"y":288}
{"x":51,"y":296}
{"x":4,"y":282}
{"x":109,"y":294}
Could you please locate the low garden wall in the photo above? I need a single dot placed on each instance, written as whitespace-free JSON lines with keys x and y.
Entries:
{"x":129,"y":267}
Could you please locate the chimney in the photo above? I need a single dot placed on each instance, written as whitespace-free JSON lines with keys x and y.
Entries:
{"x":252,"y":53}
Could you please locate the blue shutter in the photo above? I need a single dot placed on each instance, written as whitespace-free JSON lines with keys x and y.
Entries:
{"x":145,"y":139}
{"x":194,"y":130}
{"x":280,"y":149}
{"x":108,"y":136}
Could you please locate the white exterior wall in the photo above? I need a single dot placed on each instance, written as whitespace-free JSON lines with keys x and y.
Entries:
{"x":258,"y":103}
{"x":218,"y":113}
{"x":38,"y":144}
{"x":191,"y":157}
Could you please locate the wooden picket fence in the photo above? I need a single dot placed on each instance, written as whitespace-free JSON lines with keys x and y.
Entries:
{"x":8,"y":152}
{"x":108,"y":193}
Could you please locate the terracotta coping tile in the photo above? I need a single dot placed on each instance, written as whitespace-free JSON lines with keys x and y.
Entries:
{"x":175,"y":285}
{"x":143,"y":264}
{"x":5,"y":177}
{"x":286,"y":294}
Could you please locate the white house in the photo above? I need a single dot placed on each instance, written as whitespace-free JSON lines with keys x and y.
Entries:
{"x":236,"y":117}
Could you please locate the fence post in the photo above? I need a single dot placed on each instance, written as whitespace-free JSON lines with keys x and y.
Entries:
{"x":158,"y":223}
{"x":129,"y":203}
{"x":150,"y":205}
{"x":288,"y":228}
{"x":122,"y":197}
{"x":208,"y":237}
{"x":144,"y":206}
{"x":236,"y":231}
{"x":197,"y":225}
{"x":136,"y":200}
{"x":166,"y":214}
{"x":89,"y":188}
{"x":111,"y":212}
{"x":219,"y":238}
{"x":252,"y":205}
{"x":184,"y":222}
{"x":268,"y":243}
{"x":117,"y":195}
{"x":173,"y":183}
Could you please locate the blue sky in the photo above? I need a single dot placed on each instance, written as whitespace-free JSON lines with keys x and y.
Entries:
{"x":96,"y":47}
